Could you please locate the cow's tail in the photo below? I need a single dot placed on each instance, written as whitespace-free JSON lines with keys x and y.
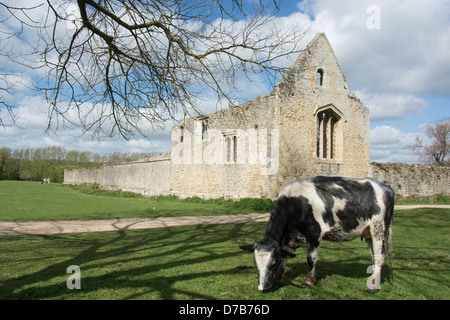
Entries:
{"x":389,"y":247}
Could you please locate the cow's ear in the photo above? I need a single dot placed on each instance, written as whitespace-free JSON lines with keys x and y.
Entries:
{"x":285,"y":254}
{"x":248,"y":247}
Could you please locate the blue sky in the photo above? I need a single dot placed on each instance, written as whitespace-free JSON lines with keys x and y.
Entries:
{"x":396,"y":59}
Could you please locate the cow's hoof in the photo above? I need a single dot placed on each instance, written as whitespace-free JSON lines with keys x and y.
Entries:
{"x":372,"y":291}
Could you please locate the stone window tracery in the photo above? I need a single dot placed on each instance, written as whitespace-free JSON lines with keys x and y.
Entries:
{"x":328,"y":134}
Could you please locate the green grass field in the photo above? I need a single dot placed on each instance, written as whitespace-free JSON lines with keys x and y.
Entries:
{"x":204,"y":262}
{"x":27,"y":201}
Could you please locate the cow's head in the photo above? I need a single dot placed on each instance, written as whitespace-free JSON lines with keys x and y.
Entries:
{"x":270,"y":262}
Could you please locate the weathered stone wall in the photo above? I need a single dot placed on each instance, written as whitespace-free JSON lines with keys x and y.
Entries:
{"x":153,"y":178}
{"x":289,"y":115}
{"x":301,"y":99}
{"x":149,"y":176}
{"x":304,"y":128}
{"x":226,"y":160}
{"x":253,"y":149}
{"x":413,"y":180}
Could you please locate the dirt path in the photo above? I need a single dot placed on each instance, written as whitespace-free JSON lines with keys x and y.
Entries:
{"x":72,"y":226}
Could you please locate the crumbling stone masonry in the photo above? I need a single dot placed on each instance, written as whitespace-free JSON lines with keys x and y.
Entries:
{"x":310,"y":124}
{"x":413,"y":180}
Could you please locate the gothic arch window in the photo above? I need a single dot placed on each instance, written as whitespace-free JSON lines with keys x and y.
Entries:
{"x":231,"y":147}
{"x":205,"y":128}
{"x":329,"y":133}
{"x":319,"y":77}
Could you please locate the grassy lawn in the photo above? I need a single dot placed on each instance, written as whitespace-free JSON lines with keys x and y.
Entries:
{"x":25,"y":201}
{"x":197,"y":262}
{"x":204,"y":262}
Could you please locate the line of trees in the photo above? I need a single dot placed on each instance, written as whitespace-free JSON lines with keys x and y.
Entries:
{"x":50,"y":162}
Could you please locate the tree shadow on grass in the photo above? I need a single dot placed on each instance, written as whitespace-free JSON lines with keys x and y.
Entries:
{"x":154,"y":263}
{"x":197,"y":262}
{"x":342,"y":262}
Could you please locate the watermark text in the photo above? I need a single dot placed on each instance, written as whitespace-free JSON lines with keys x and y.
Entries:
{"x":222,"y":147}
{"x":373,"y":22}
{"x":74,"y":280}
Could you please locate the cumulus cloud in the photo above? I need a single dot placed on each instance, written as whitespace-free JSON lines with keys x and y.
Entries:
{"x":389,"y":106}
{"x":408,"y":54}
{"x":388,"y":144}
{"x":30,"y":132}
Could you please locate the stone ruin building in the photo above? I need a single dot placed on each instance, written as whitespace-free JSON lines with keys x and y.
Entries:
{"x":310,"y":124}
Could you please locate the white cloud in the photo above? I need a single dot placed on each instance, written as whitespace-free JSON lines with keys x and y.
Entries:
{"x":388,"y":144}
{"x":32,"y":120}
{"x":385,"y":106}
{"x":141,"y":145}
{"x":408,"y":54}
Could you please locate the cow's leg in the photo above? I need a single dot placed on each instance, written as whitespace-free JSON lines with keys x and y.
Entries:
{"x":311,"y":258}
{"x":378,"y":254}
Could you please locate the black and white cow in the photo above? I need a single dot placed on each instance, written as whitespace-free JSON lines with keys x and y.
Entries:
{"x":330,"y":208}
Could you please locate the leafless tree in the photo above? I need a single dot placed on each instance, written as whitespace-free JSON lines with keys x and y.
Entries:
{"x":117,"y":65}
{"x":7,"y":115}
{"x":437,"y":152}
{"x":6,"y":84}
{"x":11,"y":79}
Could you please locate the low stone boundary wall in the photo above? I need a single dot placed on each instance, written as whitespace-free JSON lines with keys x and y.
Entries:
{"x":150,"y":176}
{"x":413,"y":180}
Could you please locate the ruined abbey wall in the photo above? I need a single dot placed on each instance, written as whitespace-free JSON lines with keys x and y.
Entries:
{"x":149,"y":177}
{"x":152,"y":178}
{"x":310,"y":124}
{"x":303,"y":98}
{"x":413,"y":180}
{"x":227,"y":153}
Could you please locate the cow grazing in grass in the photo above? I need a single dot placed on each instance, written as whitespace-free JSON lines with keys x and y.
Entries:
{"x":329,"y":208}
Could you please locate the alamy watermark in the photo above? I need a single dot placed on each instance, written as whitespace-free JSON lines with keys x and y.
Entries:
{"x":74,"y":280}
{"x":258,"y":147}
{"x":373,"y":282}
{"x":373,"y":22}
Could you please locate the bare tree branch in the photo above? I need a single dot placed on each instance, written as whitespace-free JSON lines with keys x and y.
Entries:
{"x":8,"y":79}
{"x":118,"y":64}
